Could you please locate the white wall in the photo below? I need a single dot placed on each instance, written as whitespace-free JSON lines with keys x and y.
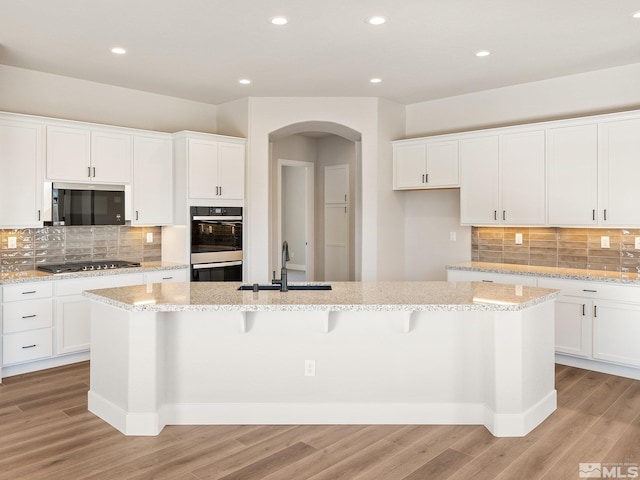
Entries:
{"x":294,"y":208}
{"x":602,"y":91}
{"x":233,"y":118}
{"x":45,"y":94}
{"x":270,"y":114}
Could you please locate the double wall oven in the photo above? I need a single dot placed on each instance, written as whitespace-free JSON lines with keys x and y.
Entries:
{"x":216,"y":244}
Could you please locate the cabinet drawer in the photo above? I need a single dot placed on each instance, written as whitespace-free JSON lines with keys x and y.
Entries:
{"x":469,"y":276}
{"x":27,"y":291}
{"x":29,"y":315}
{"x":77,"y":286}
{"x":167,"y":276}
{"x":25,"y":346}
{"x":594,"y":290}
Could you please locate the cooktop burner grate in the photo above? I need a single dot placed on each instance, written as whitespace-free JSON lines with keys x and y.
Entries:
{"x":87,"y":266}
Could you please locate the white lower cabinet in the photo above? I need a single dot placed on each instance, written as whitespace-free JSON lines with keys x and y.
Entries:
{"x":26,"y":346}
{"x":573,"y":325}
{"x":616,"y":332}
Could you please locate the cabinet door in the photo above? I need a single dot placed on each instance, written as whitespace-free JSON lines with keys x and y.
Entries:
{"x":152,"y":181}
{"x":409,"y":166}
{"x":479,"y":181}
{"x":68,"y":154}
{"x":111,"y":155}
{"x":167,"y":276}
{"x":336,"y":243}
{"x":203,"y":168}
{"x":442,"y":164}
{"x":21,"y":163}
{"x":522,"y":158}
{"x":336,"y":184}
{"x":73,"y":325}
{"x":572,"y":175}
{"x":230,"y":171}
{"x":619,"y":173}
{"x":573,"y":326}
{"x":616,"y":330}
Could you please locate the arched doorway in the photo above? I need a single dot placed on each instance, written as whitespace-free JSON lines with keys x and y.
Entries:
{"x":321,"y":227}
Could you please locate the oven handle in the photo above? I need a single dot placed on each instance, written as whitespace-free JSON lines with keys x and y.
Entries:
{"x":218,"y":218}
{"x":199,"y":266}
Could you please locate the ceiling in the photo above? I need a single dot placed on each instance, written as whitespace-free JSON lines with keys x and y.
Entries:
{"x":199,"y":49}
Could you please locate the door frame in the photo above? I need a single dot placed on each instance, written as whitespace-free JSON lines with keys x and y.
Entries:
{"x":310,"y":209}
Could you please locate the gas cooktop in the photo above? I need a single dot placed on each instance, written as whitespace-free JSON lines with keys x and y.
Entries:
{"x":87,"y":266}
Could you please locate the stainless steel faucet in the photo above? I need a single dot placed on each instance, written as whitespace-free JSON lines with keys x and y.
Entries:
{"x":284,"y":286}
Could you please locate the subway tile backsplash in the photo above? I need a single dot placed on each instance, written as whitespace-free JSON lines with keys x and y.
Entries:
{"x":50,"y":245}
{"x":558,"y":247}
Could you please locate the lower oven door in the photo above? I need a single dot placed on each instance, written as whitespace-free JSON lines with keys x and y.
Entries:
{"x":217,"y":272}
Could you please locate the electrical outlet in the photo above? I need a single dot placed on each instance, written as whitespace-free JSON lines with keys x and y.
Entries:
{"x":452,"y":236}
{"x":518,"y":290}
{"x":149,"y":237}
{"x":518,"y":239}
{"x":604,"y":242}
{"x":309,"y":368}
{"x":637,"y":243}
{"x":12,"y":242}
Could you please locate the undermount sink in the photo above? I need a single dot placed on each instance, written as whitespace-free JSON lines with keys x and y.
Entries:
{"x":270,"y":286}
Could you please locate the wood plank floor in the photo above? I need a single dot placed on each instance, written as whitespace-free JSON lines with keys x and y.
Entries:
{"x":46,"y":432}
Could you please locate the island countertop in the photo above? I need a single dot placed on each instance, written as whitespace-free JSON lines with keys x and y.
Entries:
{"x":344,"y":296}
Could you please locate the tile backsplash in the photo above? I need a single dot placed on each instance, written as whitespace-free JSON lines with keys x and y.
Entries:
{"x":558,"y":247}
{"x":51,"y":245}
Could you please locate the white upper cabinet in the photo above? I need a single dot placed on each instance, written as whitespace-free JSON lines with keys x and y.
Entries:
{"x":83,"y":154}
{"x":425,"y":165}
{"x":215,"y":169}
{"x":502,"y":179}
{"x":21,"y":164}
{"x":619,"y":156}
{"x":152,"y":189}
{"x":572,"y":175}
{"x":336,"y":184}
{"x":522,"y":158}
{"x":480,"y":180}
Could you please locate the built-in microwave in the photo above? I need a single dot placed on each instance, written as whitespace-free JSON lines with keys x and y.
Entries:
{"x":87,"y":204}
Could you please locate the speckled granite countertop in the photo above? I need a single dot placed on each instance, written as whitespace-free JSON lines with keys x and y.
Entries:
{"x":345,"y":296}
{"x":550,"y":272}
{"x":38,"y":276}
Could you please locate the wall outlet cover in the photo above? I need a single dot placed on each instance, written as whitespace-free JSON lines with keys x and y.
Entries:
{"x":149,"y":237}
{"x":604,"y":242}
{"x":452,"y":236}
{"x":637,"y":243}
{"x":518,"y":239}
{"x":12,"y":241}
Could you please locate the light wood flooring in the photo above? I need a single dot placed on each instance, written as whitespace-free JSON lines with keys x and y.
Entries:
{"x":46,"y":432}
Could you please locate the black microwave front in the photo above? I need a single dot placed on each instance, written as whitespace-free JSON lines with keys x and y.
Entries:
{"x":87,"y":204}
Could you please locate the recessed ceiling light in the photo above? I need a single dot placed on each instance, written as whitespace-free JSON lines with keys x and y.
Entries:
{"x":118,"y":50}
{"x":244,"y":81}
{"x":483,"y":53}
{"x":376,"y":20}
{"x":279,"y":20}
{"x":375,"y":80}
{"x":636,"y":15}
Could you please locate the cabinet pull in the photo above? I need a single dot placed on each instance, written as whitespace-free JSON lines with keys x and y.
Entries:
{"x":94,"y":172}
{"x":487,"y":281}
{"x":426,"y":177}
{"x":39,"y":215}
{"x":583,"y":310}
{"x":29,"y":346}
{"x":345,"y":209}
{"x":593,"y":214}
{"x":29,"y":292}
{"x":136,"y":214}
{"x":345,"y":197}
{"x":423,"y":178}
{"x":167,"y":278}
{"x":595,"y":310}
{"x":89,"y":172}
{"x":495,"y":215}
{"x":591,"y":291}
{"x":29,"y":316}
{"x":504,"y":214}
{"x":605,"y":214}
{"x":220,"y":190}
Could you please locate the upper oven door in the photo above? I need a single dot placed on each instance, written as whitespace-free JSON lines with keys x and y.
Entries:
{"x":216,"y":234}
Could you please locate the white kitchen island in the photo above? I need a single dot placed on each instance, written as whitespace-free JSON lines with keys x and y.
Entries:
{"x":375,"y":353}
